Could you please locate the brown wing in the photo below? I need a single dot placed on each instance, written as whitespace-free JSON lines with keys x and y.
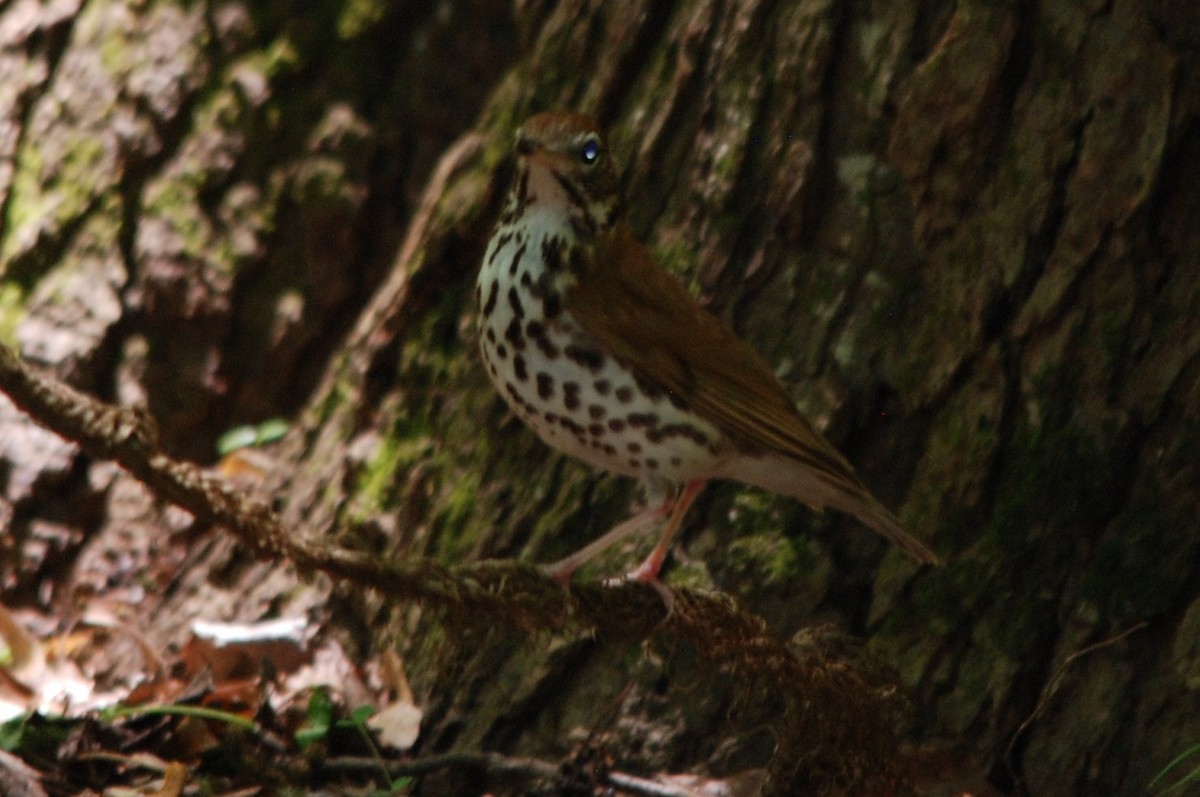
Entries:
{"x":645,"y":316}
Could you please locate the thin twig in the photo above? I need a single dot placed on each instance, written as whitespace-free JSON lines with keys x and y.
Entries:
{"x":1047,"y":691}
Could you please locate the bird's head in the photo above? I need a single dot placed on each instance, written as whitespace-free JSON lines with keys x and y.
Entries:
{"x":564,"y":164}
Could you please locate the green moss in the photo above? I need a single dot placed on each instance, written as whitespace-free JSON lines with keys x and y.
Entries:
{"x":773,"y":560}
{"x":561,"y":505}
{"x":46,"y":197}
{"x":376,"y":488}
{"x":856,"y":172}
{"x":12,"y":310}
{"x":678,"y":256}
{"x":726,"y":164}
{"x":358,"y":16}
{"x":430,"y":456}
{"x":689,"y":575}
{"x":173,"y":199}
{"x":458,"y":508}
{"x":114,"y":49}
{"x":24,"y":208}
{"x":280,"y":58}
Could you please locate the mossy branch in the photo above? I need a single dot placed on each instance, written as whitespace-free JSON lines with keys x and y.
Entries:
{"x":834,"y":730}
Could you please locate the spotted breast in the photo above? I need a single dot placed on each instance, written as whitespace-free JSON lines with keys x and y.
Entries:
{"x":579,"y":398}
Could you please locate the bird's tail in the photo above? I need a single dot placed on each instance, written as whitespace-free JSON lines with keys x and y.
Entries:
{"x":819,"y":489}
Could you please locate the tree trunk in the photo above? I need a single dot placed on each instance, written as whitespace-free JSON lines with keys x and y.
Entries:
{"x":964,"y":234}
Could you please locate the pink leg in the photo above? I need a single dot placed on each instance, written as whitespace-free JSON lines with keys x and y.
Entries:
{"x":562,"y":570}
{"x":648,"y":569}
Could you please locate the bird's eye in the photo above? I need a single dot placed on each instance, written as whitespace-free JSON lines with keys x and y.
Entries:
{"x":590,"y":152}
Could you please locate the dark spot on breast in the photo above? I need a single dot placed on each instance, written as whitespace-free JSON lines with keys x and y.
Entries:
{"x":572,"y":427}
{"x":490,"y":334}
{"x":610,"y":449}
{"x":501,"y":242}
{"x":514,"y":301}
{"x":624,"y":394}
{"x":640,"y":419}
{"x":514,"y":336}
{"x":595,"y":429}
{"x":537,"y":333}
{"x":545,"y":385}
{"x":571,"y":395}
{"x":684,"y":430}
{"x":652,"y":464}
{"x":634,"y":448}
{"x":501,"y":351}
{"x":649,"y":389}
{"x":596,"y":412}
{"x":551,"y":305}
{"x":519,"y":370}
{"x":493,"y":294}
{"x":591,"y":359}
{"x":633,"y":463}
{"x":602,"y":386}
{"x":516,"y":260}
{"x":552,"y":254}
{"x":616,"y":424}
{"x":676,"y":461}
{"x":551,"y":417}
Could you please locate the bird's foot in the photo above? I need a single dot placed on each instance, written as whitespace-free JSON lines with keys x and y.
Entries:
{"x":647,"y":571}
{"x":562,"y":570}
{"x":665,"y":593}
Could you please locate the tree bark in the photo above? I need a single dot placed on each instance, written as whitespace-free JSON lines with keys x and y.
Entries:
{"x":964,"y":233}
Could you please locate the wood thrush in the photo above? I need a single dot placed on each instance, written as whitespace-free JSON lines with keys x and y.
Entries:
{"x":605,"y":354}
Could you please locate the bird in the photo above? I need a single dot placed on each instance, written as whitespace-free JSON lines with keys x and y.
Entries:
{"x":608,"y":358}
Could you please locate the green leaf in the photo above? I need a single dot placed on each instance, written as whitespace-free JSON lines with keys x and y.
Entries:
{"x":320,"y":718}
{"x":238,"y":437}
{"x":246,"y":436}
{"x":271,"y":430}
